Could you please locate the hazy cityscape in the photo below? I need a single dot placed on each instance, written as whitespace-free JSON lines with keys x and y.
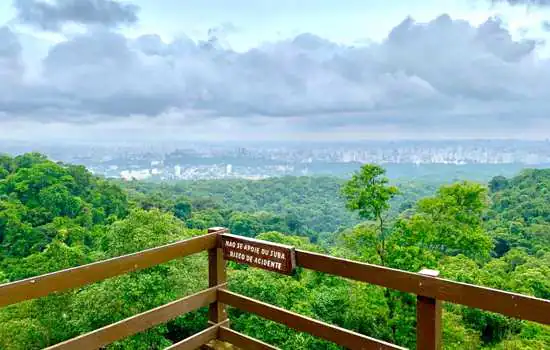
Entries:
{"x":187,"y":161}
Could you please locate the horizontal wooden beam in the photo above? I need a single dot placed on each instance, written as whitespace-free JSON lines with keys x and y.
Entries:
{"x":138,"y":323}
{"x":338,"y":335}
{"x":506,"y":303}
{"x":242,"y":341}
{"x":196,"y":340}
{"x":43,"y":285}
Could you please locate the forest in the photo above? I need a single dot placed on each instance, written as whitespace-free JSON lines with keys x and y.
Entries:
{"x":54,"y":216}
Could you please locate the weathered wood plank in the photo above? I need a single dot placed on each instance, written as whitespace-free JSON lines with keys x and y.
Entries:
{"x":338,"y":335}
{"x":196,"y":340}
{"x":242,"y":341}
{"x":138,"y":323}
{"x":506,"y":303}
{"x":43,"y":285}
{"x":217,"y":275}
{"x":428,"y":319}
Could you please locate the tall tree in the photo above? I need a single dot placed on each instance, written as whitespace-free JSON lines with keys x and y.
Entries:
{"x":368,"y":192}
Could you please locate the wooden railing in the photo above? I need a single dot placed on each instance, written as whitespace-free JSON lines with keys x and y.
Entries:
{"x":430,"y":291}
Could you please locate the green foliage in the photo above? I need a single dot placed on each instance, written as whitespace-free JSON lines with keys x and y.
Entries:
{"x":54,"y":216}
{"x":520,"y":214}
{"x":304,"y":206}
{"x":368,"y":192}
{"x":456,"y":336}
{"x":182,"y":209}
{"x":56,"y":256}
{"x":498,"y":183}
{"x":41,"y":201}
{"x":59,"y":317}
{"x":450,"y":222}
{"x":23,"y":334}
{"x":142,"y":230}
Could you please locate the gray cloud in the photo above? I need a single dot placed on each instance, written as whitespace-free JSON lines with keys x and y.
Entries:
{"x":498,"y":41}
{"x":445,"y":72}
{"x":11,"y":67}
{"x":51,"y":16}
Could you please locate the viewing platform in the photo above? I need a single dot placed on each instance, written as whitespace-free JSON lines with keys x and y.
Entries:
{"x":222,"y":246}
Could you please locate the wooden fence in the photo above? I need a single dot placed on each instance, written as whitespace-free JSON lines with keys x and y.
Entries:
{"x":430,"y":291}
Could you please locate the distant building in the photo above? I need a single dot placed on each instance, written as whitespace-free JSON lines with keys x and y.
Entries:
{"x":228,"y":169}
{"x":177,"y":171}
{"x":135,"y":174}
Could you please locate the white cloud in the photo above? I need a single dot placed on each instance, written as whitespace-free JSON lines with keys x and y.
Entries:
{"x":447,"y":75}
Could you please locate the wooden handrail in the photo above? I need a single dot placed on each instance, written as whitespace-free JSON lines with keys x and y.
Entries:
{"x":430,"y":291}
{"x":217,"y":275}
{"x":335,"y":334}
{"x":58,"y":281}
{"x":506,"y":303}
{"x":138,"y":323}
{"x":428,"y":319}
{"x":242,"y":341}
{"x":198,"y":339}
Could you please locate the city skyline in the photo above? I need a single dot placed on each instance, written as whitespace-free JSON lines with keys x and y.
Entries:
{"x":444,"y":160}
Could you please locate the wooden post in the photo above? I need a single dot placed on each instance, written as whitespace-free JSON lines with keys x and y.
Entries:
{"x":428,"y":319}
{"x":216,"y":276}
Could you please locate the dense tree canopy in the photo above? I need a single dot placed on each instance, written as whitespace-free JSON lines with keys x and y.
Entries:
{"x":54,"y":216}
{"x":42,"y":201}
{"x":520,"y":212}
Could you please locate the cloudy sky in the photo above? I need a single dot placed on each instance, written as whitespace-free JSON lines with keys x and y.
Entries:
{"x":274,"y":69}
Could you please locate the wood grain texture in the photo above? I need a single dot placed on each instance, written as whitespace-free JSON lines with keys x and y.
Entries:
{"x":138,"y":323}
{"x":43,"y":285}
{"x":242,"y":341}
{"x":506,"y":303}
{"x":217,"y":275}
{"x":428,"y":319}
{"x":428,"y":323}
{"x":196,"y":340}
{"x":338,"y":335}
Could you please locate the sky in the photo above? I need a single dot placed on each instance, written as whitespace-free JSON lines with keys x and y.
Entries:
{"x":145,"y":71}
